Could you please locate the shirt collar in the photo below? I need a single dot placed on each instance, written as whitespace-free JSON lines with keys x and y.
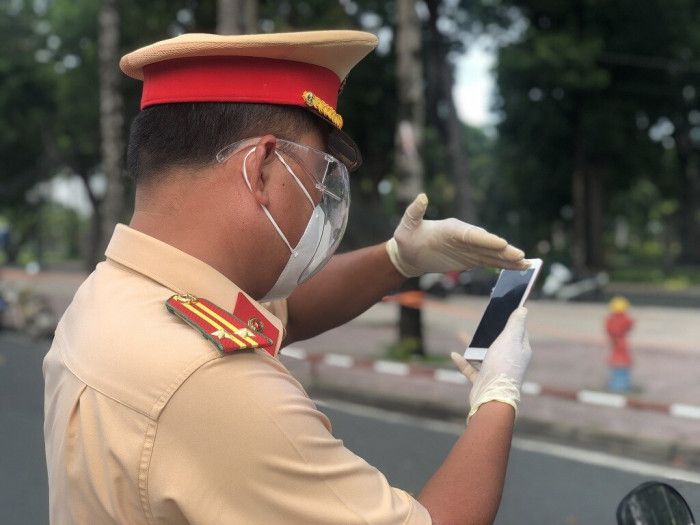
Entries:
{"x":178,"y":271}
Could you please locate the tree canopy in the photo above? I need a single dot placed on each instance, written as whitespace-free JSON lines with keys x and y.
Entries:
{"x":599,"y":124}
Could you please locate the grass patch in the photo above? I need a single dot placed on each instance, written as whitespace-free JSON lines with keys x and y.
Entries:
{"x":405,"y":351}
{"x":679,"y":278}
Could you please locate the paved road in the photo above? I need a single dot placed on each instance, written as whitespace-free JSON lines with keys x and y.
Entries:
{"x":23,"y":485}
{"x":546,"y":484}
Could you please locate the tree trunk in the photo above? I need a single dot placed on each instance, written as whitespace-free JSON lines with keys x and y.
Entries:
{"x":464,"y":206}
{"x":588,"y":243}
{"x":111,"y":125}
{"x":595,"y":235}
{"x":228,"y":17}
{"x":688,"y":199}
{"x":409,"y":136}
{"x":449,"y":126}
{"x":235,"y":17}
{"x":93,"y":250}
{"x":411,"y":108}
{"x":578,"y":196}
{"x":579,"y":176}
{"x":12,"y":253}
{"x":251,"y":16}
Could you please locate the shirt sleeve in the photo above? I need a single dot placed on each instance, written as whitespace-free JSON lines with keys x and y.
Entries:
{"x":241,"y":442}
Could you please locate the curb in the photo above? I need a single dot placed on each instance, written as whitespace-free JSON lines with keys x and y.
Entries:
{"x":442,"y":375}
{"x":668,"y":452}
{"x":661,"y":452}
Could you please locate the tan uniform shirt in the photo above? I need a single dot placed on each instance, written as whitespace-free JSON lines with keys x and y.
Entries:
{"x":147,"y":422}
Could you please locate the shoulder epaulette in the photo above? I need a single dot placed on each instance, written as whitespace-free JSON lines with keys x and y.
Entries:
{"x":225,"y":330}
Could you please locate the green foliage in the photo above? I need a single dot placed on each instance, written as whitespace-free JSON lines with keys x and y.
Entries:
{"x":403,"y":350}
{"x":76,"y":120}
{"x":61,"y":233}
{"x":682,"y":277}
{"x":25,"y":100}
{"x":586,"y":75}
{"x":49,"y":101}
{"x":580,"y":89}
{"x":75,"y":21}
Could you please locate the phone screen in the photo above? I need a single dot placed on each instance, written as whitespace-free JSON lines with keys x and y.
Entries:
{"x":505,"y":299}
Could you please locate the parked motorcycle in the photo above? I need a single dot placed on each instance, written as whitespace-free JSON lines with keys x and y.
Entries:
{"x":561,"y":283}
{"x":478,"y":281}
{"x":27,"y":311}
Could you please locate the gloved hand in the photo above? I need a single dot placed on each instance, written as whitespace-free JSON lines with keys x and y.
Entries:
{"x":501,"y":374}
{"x":419,"y":246}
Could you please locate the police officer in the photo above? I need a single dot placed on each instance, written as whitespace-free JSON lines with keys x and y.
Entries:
{"x":165,"y":400}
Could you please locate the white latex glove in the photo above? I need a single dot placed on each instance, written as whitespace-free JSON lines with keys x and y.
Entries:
{"x":501,"y":374}
{"x":420,"y":246}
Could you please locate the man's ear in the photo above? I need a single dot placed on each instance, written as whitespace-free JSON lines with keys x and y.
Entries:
{"x":256,"y":164}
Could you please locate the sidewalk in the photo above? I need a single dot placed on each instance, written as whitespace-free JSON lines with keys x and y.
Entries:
{"x":569,"y":360}
{"x":569,"y":355}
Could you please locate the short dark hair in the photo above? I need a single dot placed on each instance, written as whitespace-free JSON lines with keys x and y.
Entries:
{"x":189,"y":135}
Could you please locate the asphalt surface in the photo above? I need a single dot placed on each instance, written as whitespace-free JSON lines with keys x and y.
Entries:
{"x":547,"y":484}
{"x":23,"y":483}
{"x":542,"y":487}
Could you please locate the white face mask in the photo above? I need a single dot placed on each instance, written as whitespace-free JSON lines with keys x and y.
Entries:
{"x":299,"y":259}
{"x":314,"y":243}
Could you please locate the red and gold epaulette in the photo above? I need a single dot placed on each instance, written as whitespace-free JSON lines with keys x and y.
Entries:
{"x":225,"y":330}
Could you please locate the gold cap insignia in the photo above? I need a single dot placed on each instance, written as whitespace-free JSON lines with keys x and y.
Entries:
{"x":323,"y":108}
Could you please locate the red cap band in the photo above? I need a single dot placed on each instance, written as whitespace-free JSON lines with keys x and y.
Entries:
{"x":236,"y":79}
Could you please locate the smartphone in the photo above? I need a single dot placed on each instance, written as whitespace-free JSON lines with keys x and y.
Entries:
{"x":510,"y":292}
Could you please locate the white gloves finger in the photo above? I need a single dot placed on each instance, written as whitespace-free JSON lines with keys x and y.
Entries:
{"x":464,"y":367}
{"x":420,"y":246}
{"x":501,"y":374}
{"x":413,"y":215}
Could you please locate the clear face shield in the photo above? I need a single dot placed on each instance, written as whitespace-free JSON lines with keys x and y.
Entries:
{"x":324,"y":182}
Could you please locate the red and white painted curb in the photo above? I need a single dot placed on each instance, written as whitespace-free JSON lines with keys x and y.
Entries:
{"x":443,"y":375}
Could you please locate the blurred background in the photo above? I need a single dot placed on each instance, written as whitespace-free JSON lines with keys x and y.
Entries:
{"x":571,"y":128}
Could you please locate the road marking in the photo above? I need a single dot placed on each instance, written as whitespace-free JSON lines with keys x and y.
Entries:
{"x":605,"y":460}
{"x":390,"y":367}
{"x":449,"y":376}
{"x":681,"y":410}
{"x":531,"y":389}
{"x":339,"y":360}
{"x":294,"y":353}
{"x":578,"y":455}
{"x":601,"y":398}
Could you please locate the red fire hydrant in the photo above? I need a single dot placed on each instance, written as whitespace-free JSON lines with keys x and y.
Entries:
{"x":618,"y":324}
